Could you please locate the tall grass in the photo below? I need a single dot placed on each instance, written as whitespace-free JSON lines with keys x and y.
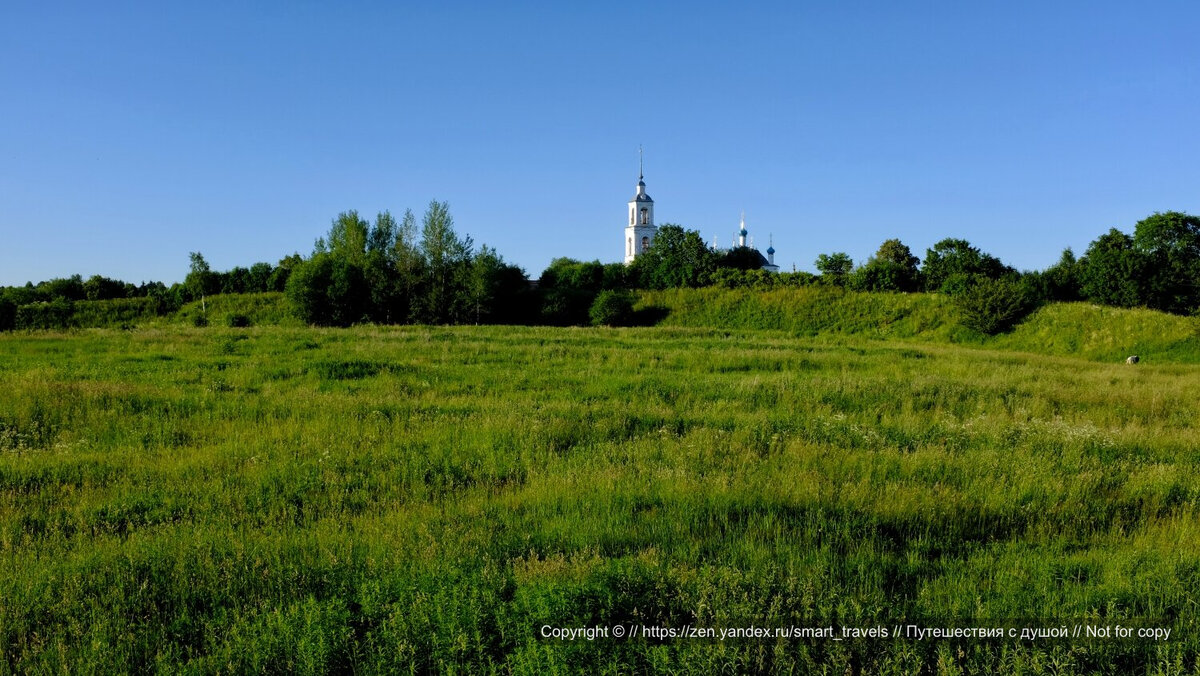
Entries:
{"x":1065,"y":329}
{"x":417,"y":499}
{"x":260,"y":309}
{"x":810,"y":310}
{"x":1106,"y":333}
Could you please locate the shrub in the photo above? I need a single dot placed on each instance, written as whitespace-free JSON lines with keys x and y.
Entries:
{"x":113,"y":312}
{"x":57,"y":314}
{"x":328,"y":291}
{"x":239,"y":321}
{"x":612,"y":308}
{"x":992,"y":306}
{"x":8,"y":315}
{"x":200,"y":321}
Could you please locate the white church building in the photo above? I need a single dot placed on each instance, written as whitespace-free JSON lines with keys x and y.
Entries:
{"x":640,"y":229}
{"x":639,"y":234}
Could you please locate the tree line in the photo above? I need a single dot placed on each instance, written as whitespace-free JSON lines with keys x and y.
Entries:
{"x":392,"y":271}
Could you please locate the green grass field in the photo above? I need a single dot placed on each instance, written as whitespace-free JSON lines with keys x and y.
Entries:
{"x":416,"y":499}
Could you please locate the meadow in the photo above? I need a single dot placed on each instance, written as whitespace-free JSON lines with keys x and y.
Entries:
{"x":415,"y":499}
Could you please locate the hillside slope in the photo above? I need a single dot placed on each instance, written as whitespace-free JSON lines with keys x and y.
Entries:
{"x":260,"y":308}
{"x":1066,"y":329}
{"x":1084,"y":330}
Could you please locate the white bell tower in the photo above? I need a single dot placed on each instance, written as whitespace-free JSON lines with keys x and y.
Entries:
{"x":639,"y":227}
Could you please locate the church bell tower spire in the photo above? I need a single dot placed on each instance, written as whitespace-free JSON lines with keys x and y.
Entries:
{"x":640,"y":229}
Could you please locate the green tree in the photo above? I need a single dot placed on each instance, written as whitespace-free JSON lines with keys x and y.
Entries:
{"x":612,"y":307}
{"x":1060,"y":281}
{"x":379,"y":275}
{"x":951,"y":264}
{"x":260,"y":277}
{"x":307,"y":288}
{"x":236,"y":280}
{"x":279,"y":276}
{"x":103,"y":288}
{"x":992,"y":306}
{"x":892,"y":268}
{"x":446,"y":257}
{"x":346,"y":239}
{"x":676,"y":258}
{"x":327,"y":290}
{"x":513,"y":302}
{"x":1171,"y":244}
{"x":1113,"y":271}
{"x":67,"y":288}
{"x":568,"y":288}
{"x":482,"y":283}
{"x":379,"y":270}
{"x":200,"y":281}
{"x":382,"y":235}
{"x":410,"y":268}
{"x":834,"y":268}
{"x":8,"y":313}
{"x":615,"y":276}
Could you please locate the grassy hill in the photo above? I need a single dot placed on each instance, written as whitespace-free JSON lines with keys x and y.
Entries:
{"x":810,"y":311}
{"x":1105,"y":334}
{"x":1082,"y":330}
{"x":1065,"y":329}
{"x":262,"y":309}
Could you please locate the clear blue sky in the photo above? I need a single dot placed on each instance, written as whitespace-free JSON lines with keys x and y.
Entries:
{"x":132,"y":134}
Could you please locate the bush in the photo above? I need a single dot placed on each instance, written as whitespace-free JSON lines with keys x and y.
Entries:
{"x":113,"y":312}
{"x":734,"y":278}
{"x":612,"y":308}
{"x":992,"y":306}
{"x":200,"y":321}
{"x":8,"y":315}
{"x":328,"y":291}
{"x":57,"y":314}
{"x":239,"y":321}
{"x":881,"y":275}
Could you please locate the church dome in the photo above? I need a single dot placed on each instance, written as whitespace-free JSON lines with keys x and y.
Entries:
{"x":641,"y":195}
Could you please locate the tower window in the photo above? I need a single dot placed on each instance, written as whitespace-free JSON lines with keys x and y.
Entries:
{"x":629,"y":246}
{"x":645,"y":243}
{"x":631,"y":221}
{"x":645,"y":216}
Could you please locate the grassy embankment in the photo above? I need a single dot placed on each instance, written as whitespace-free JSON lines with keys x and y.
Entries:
{"x":261,"y":309}
{"x":417,"y":498}
{"x":1064,"y":329}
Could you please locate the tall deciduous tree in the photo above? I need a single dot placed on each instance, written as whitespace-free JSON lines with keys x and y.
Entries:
{"x":410,"y":267}
{"x":379,"y":270}
{"x":481,"y":286}
{"x":676,"y":258}
{"x":1060,"y":281}
{"x":952,"y":263}
{"x":200,"y":281}
{"x":568,"y":287}
{"x":347,"y":238}
{"x":260,"y":277}
{"x":328,"y":290}
{"x":1113,"y":271}
{"x":892,"y":268}
{"x":834,"y":267}
{"x":446,"y":257}
{"x":1171,"y":244}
